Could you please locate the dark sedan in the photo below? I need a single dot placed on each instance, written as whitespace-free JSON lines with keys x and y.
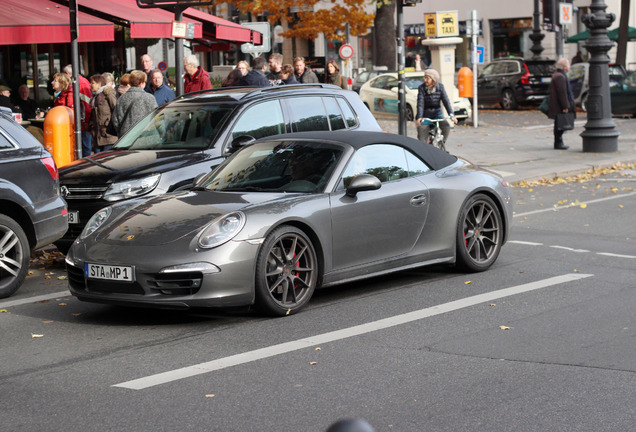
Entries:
{"x":286,"y":215}
{"x":623,"y":96}
{"x":32,"y":212}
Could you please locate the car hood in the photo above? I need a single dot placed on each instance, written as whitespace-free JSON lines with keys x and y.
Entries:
{"x":167,"y":218}
{"x":112,"y":166}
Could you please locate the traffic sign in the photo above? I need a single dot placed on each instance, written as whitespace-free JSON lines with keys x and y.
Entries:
{"x":256,"y":50}
{"x":345,"y":51}
{"x":479,"y":54}
{"x":162,"y":66}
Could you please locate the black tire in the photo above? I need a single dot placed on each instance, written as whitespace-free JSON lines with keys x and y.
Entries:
{"x":409,"y":113}
{"x":14,"y":256}
{"x":287,"y":259}
{"x":508,"y":101}
{"x":479,"y":234}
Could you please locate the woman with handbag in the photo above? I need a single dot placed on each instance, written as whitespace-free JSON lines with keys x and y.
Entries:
{"x":562,"y":108}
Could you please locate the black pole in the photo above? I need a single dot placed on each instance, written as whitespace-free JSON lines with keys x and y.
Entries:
{"x":401,"y":84}
{"x":77,"y":107}
{"x":600,"y":134}
{"x":178,"y":54}
{"x":536,"y":37}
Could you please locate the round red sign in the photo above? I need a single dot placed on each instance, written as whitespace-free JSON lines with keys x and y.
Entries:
{"x":346,"y":51}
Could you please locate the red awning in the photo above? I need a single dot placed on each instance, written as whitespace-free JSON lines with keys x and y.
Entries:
{"x":216,"y":28}
{"x":42,"y":21}
{"x":144,"y":23}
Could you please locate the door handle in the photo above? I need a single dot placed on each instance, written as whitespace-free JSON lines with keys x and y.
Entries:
{"x":418,"y":200}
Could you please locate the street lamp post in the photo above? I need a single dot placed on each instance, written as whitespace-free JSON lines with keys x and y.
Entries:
{"x":536,"y":37}
{"x":600,"y":134}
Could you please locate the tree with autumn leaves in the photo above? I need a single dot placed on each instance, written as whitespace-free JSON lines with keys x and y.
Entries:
{"x":307,"y":22}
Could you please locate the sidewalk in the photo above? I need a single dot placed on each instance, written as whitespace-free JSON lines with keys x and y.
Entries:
{"x":519,"y":145}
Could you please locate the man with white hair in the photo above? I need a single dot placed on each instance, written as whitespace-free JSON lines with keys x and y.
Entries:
{"x":195,"y":77}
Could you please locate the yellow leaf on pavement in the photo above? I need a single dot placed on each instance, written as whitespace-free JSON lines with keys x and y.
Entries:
{"x":36,"y":335}
{"x":503,"y":327}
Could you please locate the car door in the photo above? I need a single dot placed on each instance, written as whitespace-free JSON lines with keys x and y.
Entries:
{"x":383,"y":99}
{"x":382,"y":224}
{"x":487,"y":83}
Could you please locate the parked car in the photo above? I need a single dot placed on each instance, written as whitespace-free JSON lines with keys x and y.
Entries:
{"x":623,"y":96}
{"x":32,"y":212}
{"x":363,"y":77}
{"x":289,"y":214}
{"x":514,"y":81}
{"x":380,"y":95}
{"x":189,"y":136}
{"x":579,"y":75}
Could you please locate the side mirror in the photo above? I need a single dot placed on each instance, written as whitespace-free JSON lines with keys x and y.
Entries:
{"x":363,"y":182}
{"x":240,"y":141}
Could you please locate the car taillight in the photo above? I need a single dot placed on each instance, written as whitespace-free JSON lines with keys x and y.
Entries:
{"x":525,"y":78}
{"x":49,"y":163}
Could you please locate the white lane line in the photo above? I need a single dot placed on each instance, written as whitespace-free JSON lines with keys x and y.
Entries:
{"x":615,"y":255}
{"x":613,"y":197}
{"x":526,"y":243}
{"x":263,"y":353}
{"x":570,"y":249}
{"x":34,"y":299}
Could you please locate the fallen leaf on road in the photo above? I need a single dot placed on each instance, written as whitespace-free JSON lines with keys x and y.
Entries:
{"x":62,"y":277}
{"x":36,"y":335}
{"x":503,"y":327}
{"x":468,"y":282}
{"x":583,"y":205}
{"x":313,"y":363}
{"x":48,"y":321}
{"x":3,"y":311}
{"x":209,"y":395}
{"x":62,"y":304}
{"x":317,"y":348}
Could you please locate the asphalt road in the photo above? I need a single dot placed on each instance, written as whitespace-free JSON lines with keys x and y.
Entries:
{"x":542,"y":341}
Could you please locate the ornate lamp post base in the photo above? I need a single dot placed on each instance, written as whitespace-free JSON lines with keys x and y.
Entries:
{"x":600,"y":135}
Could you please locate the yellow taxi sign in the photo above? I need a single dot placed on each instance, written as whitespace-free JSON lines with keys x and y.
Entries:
{"x":441,"y":24}
{"x":430,"y":24}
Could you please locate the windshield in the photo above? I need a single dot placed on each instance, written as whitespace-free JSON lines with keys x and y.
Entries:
{"x":414,"y":82}
{"x":175,"y":127}
{"x":274,"y":166}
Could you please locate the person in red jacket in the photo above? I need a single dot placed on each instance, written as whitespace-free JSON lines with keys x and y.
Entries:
{"x":195,"y":77}
{"x":63,"y":91}
{"x":85,"y":101}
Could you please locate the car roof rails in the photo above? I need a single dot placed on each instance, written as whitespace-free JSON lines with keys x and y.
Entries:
{"x":259,"y":90}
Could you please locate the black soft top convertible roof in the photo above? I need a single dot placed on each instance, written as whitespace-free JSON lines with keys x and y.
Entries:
{"x":435,"y":157}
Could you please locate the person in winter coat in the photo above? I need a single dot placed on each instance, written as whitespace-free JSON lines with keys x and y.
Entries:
{"x":195,"y":77}
{"x":303,"y":73}
{"x":561,"y":99}
{"x":85,"y":96}
{"x":62,"y":90}
{"x":233,"y":78}
{"x":133,"y":105}
{"x":256,"y":76}
{"x":102,"y":104}
{"x":333,"y":75}
{"x":430,"y":97}
{"x":287,"y":75}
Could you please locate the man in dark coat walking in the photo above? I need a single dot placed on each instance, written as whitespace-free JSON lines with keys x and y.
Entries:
{"x":561,"y":99}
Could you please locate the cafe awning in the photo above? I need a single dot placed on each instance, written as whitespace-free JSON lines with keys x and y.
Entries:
{"x":144,"y":23}
{"x":43,"y":21}
{"x":611,"y":34}
{"x":215,"y":28}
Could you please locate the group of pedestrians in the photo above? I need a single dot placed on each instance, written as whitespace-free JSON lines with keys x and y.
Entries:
{"x":273,"y":72}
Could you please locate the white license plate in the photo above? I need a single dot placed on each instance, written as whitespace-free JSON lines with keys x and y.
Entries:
{"x":73,"y":217}
{"x":108,"y":272}
{"x":546,"y":80}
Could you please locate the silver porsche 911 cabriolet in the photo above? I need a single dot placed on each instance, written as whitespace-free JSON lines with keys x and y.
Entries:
{"x":288,"y":214}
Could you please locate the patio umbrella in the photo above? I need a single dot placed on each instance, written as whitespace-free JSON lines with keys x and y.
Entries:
{"x":612,"y":34}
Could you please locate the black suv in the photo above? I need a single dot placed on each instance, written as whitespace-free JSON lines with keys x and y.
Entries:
{"x":32,"y":212}
{"x":189,"y":136}
{"x":513,"y":81}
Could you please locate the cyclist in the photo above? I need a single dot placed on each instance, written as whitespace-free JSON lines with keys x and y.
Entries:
{"x":430,"y":97}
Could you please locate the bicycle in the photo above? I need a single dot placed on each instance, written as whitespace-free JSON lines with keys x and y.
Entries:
{"x":435,"y":136}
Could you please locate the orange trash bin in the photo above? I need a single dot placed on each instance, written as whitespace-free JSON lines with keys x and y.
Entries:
{"x":465,"y":82}
{"x":59,"y":135}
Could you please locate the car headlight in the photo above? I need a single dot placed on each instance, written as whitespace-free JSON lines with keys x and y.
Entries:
{"x":221,"y":230}
{"x":95,"y":222}
{"x":131,"y":188}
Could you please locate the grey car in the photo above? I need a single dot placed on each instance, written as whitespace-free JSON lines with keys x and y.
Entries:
{"x":289,"y":214}
{"x":32,"y":212}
